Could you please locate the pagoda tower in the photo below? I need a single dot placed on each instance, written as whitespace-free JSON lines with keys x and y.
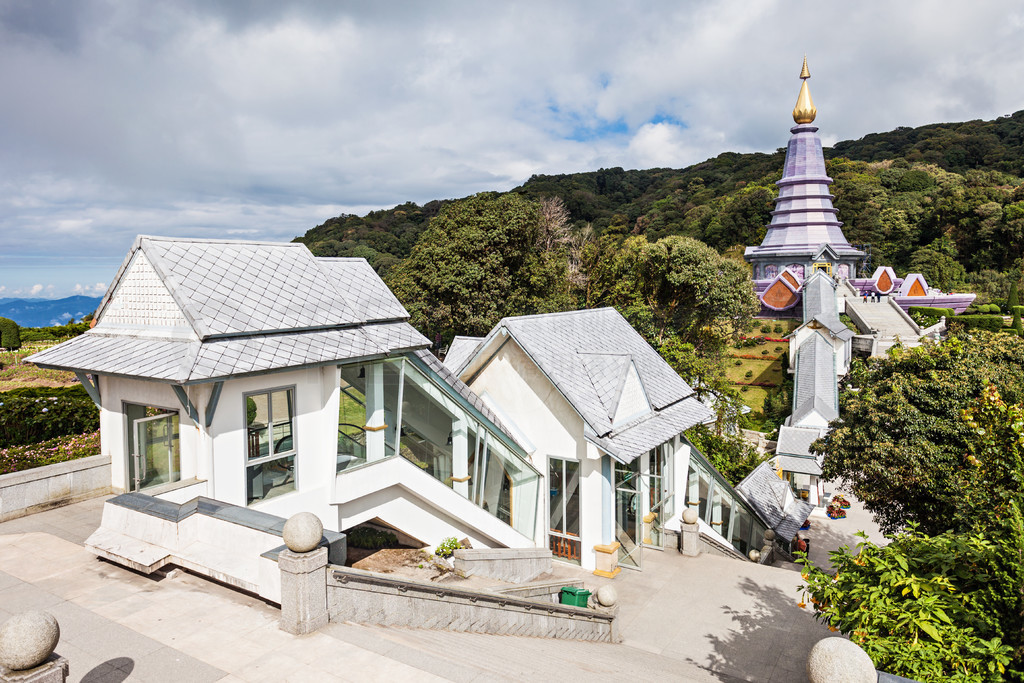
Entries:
{"x":804,"y":234}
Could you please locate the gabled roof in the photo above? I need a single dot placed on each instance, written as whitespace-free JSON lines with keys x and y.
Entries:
{"x":774,"y":501}
{"x":797,"y":440}
{"x":816,"y":387}
{"x":228,"y":287}
{"x":461,"y":350}
{"x":251,"y":307}
{"x":586,"y":355}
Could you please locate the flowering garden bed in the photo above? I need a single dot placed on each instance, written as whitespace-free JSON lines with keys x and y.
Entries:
{"x":59,"y":449}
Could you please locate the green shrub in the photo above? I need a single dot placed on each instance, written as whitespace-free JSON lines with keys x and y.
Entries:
{"x":1019,"y":310}
{"x":370,"y":538}
{"x":748,"y":374}
{"x":737,"y":362}
{"x":764,"y":352}
{"x":32,"y":415}
{"x":766,"y":329}
{"x":744,"y":389}
{"x":777,"y":328}
{"x":777,"y":349}
{"x":10,"y":334}
{"x":992,"y":323}
{"x":447,"y":546}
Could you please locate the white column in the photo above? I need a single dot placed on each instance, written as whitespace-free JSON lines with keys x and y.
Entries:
{"x":460,"y":456}
{"x":375,"y":421}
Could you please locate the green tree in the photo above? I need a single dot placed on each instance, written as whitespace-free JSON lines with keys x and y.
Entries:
{"x":1013,"y":299}
{"x":478,"y":261}
{"x":939,"y":266}
{"x":949,"y":606}
{"x":677,"y":285}
{"x":10,"y":334}
{"x":730,"y":453}
{"x":900,"y":444}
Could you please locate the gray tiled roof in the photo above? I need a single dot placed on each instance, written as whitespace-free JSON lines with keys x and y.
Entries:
{"x":819,"y":298}
{"x":192,"y":361}
{"x":797,"y":440}
{"x":463,"y":390}
{"x":798,"y":465}
{"x":363,"y":289}
{"x":461,"y":350}
{"x":642,"y":435}
{"x":815,"y":380}
{"x":560,"y":343}
{"x":229,"y":287}
{"x":768,"y":494}
{"x":255,"y":307}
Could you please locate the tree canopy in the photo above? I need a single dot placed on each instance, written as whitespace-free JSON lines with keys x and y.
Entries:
{"x":481,"y":259}
{"x":948,"y":606}
{"x":900,"y":443}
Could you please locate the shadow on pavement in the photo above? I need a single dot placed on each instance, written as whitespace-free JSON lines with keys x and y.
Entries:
{"x":767,"y":642}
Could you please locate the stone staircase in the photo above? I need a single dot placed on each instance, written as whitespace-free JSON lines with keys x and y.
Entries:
{"x":882,"y":319}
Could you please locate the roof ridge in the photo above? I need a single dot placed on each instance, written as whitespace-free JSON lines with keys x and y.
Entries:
{"x":221,"y":240}
{"x":558,"y":313}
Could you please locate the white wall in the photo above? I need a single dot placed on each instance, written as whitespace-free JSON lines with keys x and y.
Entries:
{"x":315,"y":438}
{"x":114,"y":392}
{"x":526,"y":396}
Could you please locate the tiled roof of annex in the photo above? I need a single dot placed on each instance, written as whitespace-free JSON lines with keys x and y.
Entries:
{"x":569,"y":347}
{"x":251,"y":307}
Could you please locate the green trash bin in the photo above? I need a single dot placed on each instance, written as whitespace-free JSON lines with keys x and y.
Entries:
{"x":575,"y":596}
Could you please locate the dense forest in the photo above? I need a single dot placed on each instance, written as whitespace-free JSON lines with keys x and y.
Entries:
{"x":944,"y":199}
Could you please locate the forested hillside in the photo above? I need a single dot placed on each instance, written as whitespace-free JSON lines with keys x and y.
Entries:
{"x":943,"y":199}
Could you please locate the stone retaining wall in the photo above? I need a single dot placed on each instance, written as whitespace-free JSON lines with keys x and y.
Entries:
{"x":364,"y":597}
{"x":50,"y":486}
{"x":514,"y":565}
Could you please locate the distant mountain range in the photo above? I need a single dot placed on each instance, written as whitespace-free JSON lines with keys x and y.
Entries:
{"x":47,"y":312}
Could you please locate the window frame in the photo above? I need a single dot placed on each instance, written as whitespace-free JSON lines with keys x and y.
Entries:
{"x":249,"y":462}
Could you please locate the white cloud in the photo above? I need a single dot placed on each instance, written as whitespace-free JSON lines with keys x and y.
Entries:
{"x":35,"y":290}
{"x":213,"y":119}
{"x":97,"y":289}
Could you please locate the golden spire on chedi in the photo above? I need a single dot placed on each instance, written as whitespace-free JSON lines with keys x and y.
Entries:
{"x":804,"y":111}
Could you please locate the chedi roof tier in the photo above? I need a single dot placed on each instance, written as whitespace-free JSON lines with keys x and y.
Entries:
{"x":804,"y":220}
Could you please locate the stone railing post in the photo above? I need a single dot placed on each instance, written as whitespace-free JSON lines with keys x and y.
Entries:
{"x":768,"y":548}
{"x":303,"y":575}
{"x":838,"y":659}
{"x":27,"y":642}
{"x":689,"y":533}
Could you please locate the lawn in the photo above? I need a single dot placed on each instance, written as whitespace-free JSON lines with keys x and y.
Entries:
{"x":765,"y":368}
{"x":14,"y":374}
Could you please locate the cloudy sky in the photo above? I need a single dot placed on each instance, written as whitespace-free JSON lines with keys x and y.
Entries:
{"x":262,"y":119}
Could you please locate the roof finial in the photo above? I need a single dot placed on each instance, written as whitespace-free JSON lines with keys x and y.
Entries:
{"x":804,"y":111}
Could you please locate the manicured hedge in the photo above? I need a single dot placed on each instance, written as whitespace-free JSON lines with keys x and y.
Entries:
{"x":10,"y":334}
{"x":992,"y":323}
{"x":1019,"y":310}
{"x":933,"y":310}
{"x":37,"y":414}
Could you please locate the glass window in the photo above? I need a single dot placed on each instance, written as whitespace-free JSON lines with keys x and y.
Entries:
{"x":564,"y":509}
{"x":270,"y":444}
{"x":698,"y":486}
{"x":721,"y":511}
{"x":390,"y":407}
{"x":154,"y":449}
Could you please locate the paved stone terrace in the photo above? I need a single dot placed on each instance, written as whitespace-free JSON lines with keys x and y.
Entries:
{"x":683,"y":619}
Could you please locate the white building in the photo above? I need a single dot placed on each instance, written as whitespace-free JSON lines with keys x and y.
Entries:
{"x":257,"y":374}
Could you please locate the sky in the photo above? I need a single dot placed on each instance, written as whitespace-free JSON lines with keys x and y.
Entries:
{"x":262,"y":119}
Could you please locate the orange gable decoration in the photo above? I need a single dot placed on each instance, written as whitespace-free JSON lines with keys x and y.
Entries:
{"x":884,"y":283}
{"x":916,"y":289}
{"x":791,"y":279}
{"x":779,"y":296}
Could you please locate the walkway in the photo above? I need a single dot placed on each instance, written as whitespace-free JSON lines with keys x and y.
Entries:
{"x":683,"y":619}
{"x":883,"y":318}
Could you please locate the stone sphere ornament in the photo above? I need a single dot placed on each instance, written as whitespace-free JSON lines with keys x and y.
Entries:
{"x":27,"y":640}
{"x":302,"y":532}
{"x":690,"y":515}
{"x":754,"y":555}
{"x":838,"y":659}
{"x":607,"y":596}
